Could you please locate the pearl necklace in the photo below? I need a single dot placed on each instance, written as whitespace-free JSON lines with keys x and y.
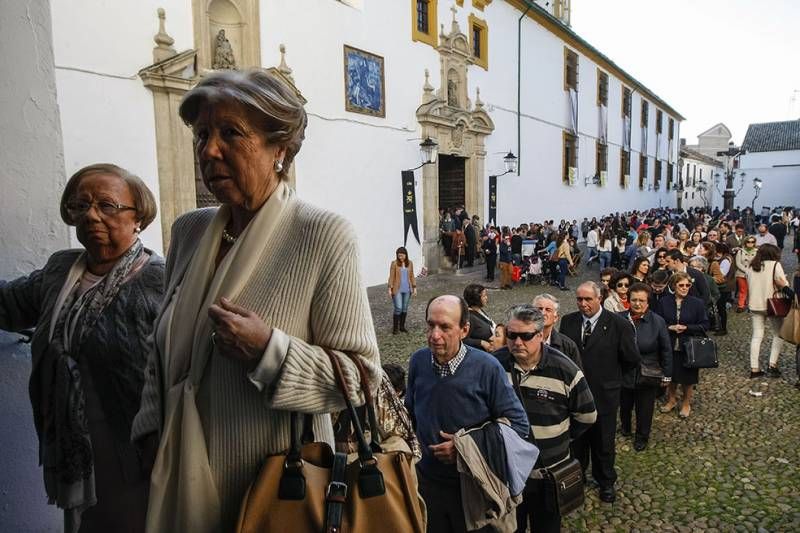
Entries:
{"x":227,"y":237}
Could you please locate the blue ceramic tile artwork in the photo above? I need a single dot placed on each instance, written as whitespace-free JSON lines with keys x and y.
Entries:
{"x":364,"y":84}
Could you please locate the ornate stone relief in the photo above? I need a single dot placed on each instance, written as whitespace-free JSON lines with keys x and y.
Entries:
{"x":226,"y":33}
{"x":223,"y":53}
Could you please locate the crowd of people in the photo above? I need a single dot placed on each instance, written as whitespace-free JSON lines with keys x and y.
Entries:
{"x":160,"y":387}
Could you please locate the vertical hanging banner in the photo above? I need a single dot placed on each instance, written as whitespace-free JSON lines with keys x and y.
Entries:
{"x":409,"y":206}
{"x":493,"y":200}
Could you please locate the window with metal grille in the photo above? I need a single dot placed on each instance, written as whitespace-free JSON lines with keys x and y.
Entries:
{"x":601,"y":157}
{"x":645,"y":113}
{"x":602,"y":88}
{"x":570,"y":154}
{"x":642,"y":171}
{"x":422,"y":16}
{"x":657,"y":175}
{"x":671,"y":129}
{"x":570,"y":69}
{"x":626,"y":102}
{"x":659,"y":120}
{"x":624,"y":168}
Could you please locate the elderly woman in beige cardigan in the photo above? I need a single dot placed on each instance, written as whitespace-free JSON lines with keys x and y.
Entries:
{"x":255,"y":290}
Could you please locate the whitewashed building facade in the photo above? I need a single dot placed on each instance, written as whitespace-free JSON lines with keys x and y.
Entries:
{"x":590,"y":138}
{"x":697,"y":173}
{"x":772,"y":154}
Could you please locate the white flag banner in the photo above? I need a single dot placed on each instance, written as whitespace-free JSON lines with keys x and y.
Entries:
{"x":603,"y":122}
{"x":573,"y":110}
{"x":626,"y":133}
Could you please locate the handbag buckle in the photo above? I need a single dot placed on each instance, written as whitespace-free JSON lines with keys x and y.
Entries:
{"x":336,"y":491}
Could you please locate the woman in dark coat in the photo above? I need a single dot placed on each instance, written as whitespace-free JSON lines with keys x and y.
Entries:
{"x":653,"y":341}
{"x":686,"y":317}
{"x":93,"y":310}
{"x":482,"y":329}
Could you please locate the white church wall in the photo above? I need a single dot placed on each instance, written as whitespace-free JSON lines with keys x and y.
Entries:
{"x":780,"y":175}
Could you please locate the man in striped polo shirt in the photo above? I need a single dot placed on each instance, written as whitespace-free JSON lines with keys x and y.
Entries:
{"x":559,"y":405}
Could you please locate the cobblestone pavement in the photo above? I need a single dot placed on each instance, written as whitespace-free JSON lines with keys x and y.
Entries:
{"x":734,"y":465}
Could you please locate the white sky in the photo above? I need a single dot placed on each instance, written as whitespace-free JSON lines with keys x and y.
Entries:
{"x":730,"y":61}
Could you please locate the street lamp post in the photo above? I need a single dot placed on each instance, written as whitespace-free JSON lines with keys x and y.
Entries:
{"x":757,"y":184}
{"x":732,"y":155}
{"x":510,"y":163}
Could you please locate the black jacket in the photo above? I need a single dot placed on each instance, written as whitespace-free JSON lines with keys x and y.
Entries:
{"x":653,"y":341}
{"x":699,"y":285}
{"x":609,"y":353}
{"x":479,"y":330}
{"x":693,"y":316}
{"x":565,"y":345}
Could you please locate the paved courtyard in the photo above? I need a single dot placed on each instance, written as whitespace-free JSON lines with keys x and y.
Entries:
{"x":734,"y":465}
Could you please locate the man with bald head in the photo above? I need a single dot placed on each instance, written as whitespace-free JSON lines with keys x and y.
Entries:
{"x":453,"y":386}
{"x":608,"y":349}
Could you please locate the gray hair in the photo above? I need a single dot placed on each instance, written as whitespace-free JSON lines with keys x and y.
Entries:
{"x":699,"y":260}
{"x":281,"y":116}
{"x":546,"y":296}
{"x":594,"y":286}
{"x":528,"y":314}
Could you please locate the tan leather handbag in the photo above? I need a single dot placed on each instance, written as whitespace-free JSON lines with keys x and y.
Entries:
{"x":311,"y":489}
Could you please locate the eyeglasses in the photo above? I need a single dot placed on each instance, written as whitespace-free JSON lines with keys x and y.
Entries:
{"x":524,"y":335}
{"x":683,"y":285}
{"x":79,"y":208}
{"x":623,"y":284}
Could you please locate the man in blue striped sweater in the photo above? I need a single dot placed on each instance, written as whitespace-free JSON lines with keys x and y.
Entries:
{"x":558,"y":403}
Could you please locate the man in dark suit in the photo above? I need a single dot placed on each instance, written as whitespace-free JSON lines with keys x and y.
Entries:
{"x":677,"y":263}
{"x":608,"y":349}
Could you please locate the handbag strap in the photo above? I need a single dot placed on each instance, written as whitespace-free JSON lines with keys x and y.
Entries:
{"x":369,"y":403}
{"x":370,"y":478}
{"x":336,"y":495}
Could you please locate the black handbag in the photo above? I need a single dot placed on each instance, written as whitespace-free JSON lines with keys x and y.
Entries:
{"x":567,"y":479}
{"x":650,"y":375}
{"x":701,"y":352}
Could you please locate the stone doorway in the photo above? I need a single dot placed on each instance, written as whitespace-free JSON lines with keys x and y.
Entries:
{"x":452,"y":177}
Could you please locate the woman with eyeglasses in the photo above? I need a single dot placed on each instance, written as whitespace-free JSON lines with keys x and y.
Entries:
{"x":743,"y":258}
{"x":92,"y":311}
{"x":639,"y":390}
{"x":617,"y":300}
{"x":640,"y":269}
{"x":764,"y":278}
{"x":686,"y":317}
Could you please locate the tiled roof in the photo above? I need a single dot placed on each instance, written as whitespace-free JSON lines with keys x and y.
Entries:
{"x":773,"y":136}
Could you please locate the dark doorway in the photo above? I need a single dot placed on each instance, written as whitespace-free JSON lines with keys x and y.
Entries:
{"x":451,"y":181}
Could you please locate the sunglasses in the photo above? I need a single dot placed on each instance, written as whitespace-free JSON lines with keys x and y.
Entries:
{"x":524,"y":335}
{"x":623,"y":284}
{"x":661,"y":256}
{"x":684,"y":285}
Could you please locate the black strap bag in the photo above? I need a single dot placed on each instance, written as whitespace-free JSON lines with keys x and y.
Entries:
{"x":650,"y":375}
{"x":701,"y":352}
{"x":567,"y":478}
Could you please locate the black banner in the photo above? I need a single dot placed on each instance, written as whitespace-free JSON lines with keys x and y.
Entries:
{"x":493,"y":200}
{"x":409,"y":206}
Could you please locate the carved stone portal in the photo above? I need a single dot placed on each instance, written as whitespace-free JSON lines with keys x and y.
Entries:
{"x":448,"y":117}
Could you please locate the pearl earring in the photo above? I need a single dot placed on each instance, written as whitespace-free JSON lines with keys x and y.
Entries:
{"x":278,"y":166}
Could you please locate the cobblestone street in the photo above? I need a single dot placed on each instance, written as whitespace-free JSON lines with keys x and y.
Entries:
{"x":734,"y":465}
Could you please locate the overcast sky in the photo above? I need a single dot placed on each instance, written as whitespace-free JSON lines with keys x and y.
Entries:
{"x":730,"y":61}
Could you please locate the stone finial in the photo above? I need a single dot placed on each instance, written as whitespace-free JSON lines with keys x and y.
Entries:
{"x":427,"y":89}
{"x":478,"y":102}
{"x":441,"y":31}
{"x":283,"y":68}
{"x":163,"y":49}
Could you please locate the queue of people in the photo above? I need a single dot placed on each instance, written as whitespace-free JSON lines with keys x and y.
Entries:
{"x":159,"y":386}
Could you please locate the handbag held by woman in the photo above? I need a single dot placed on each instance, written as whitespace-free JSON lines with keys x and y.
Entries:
{"x":780,"y":303}
{"x":311,"y":489}
{"x":701,"y":352}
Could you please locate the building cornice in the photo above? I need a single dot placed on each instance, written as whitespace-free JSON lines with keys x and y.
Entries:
{"x":557,"y":28}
